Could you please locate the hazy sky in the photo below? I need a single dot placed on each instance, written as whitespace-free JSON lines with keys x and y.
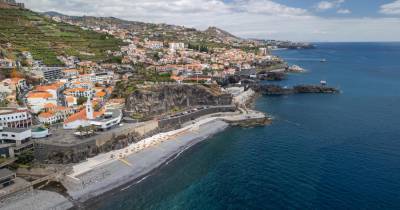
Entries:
{"x":299,"y":20}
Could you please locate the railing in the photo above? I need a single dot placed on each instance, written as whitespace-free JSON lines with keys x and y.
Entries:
{"x":29,"y":186}
{"x":7,"y":162}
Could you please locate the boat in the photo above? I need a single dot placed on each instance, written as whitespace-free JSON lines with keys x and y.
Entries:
{"x":323,"y":60}
{"x":323,"y":82}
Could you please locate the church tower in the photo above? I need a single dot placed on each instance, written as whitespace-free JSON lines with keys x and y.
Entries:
{"x":89,"y":109}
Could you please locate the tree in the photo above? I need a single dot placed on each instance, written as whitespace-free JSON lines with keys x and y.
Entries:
{"x":15,"y":74}
{"x":3,"y":103}
{"x":80,"y":129}
{"x":156,"y":56}
{"x":81,"y":100}
{"x":25,"y":157}
{"x":97,"y":107}
{"x":92,"y":128}
{"x":3,"y":53}
{"x":24,"y":62}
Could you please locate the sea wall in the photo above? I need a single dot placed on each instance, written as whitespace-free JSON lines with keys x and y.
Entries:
{"x":176,"y":121}
{"x":46,"y":152}
{"x":252,"y":122}
{"x":53,"y":152}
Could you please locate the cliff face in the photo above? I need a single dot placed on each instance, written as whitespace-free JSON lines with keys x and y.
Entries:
{"x":160,"y":99}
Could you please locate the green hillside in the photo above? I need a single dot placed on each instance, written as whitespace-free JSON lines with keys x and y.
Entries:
{"x":45,"y":38}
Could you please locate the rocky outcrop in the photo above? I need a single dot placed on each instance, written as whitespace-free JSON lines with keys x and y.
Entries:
{"x":220,"y":34}
{"x":273,"y":76}
{"x":161,"y":99}
{"x":314,"y":89}
{"x":279,"y":90}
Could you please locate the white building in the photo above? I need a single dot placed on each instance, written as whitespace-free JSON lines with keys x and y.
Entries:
{"x":104,"y":77}
{"x":263,"y":51}
{"x":48,"y":118}
{"x":81,"y":84}
{"x":89,"y":110}
{"x":174,"y":46}
{"x":82,"y":118}
{"x":109,"y":119}
{"x":6,"y":63}
{"x":15,"y":118}
{"x":79,"y":92}
{"x":48,"y":73}
{"x":14,"y":83}
{"x":154,"y":45}
{"x":71,"y":101}
{"x":104,"y":119}
{"x":17,"y":136}
{"x":70,"y":73}
{"x":14,"y":140}
{"x":51,"y":89}
{"x":5,"y":89}
{"x":54,"y":115}
{"x":38,"y":100}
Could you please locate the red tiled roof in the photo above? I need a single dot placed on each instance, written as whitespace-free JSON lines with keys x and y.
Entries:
{"x":39,"y":95}
{"x":46,"y":115}
{"x":49,"y":105}
{"x":81,"y":115}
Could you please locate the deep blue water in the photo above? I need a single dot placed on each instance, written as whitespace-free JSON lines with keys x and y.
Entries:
{"x":322,"y":151}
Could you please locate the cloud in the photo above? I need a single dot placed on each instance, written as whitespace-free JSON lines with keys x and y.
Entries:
{"x":246,"y":18}
{"x":344,"y":11}
{"x":266,"y":7}
{"x":326,"y":5}
{"x":391,"y":8}
{"x":165,"y":7}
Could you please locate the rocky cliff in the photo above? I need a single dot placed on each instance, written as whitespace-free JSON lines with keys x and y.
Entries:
{"x":161,"y":99}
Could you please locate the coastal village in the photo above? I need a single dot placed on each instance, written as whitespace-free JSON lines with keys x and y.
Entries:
{"x":63,"y":119}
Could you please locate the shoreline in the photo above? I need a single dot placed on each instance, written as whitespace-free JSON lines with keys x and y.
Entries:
{"x":143,"y":164}
{"x":120,"y":169}
{"x":118,"y":174}
{"x":139,"y":179}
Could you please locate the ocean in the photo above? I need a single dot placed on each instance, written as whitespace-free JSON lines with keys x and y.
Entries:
{"x":321,"y":152}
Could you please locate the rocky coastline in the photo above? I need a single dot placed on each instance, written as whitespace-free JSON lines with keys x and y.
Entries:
{"x":268,"y":89}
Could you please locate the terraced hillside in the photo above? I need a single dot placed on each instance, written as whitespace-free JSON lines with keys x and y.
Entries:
{"x":46,"y":39}
{"x":212,"y":37}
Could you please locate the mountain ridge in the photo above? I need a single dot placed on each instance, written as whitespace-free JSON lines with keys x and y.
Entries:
{"x":212,"y":31}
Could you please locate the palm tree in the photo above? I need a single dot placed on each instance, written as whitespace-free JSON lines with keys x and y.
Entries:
{"x":86,"y":129}
{"x":92,"y":128}
{"x":80,"y":129}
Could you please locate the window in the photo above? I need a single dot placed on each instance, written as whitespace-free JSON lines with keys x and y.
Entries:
{"x":4,"y":135}
{"x":12,"y":135}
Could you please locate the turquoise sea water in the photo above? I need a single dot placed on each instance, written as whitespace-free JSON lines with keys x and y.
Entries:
{"x":322,"y":151}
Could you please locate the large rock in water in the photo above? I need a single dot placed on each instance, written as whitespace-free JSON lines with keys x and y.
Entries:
{"x":314,"y":89}
{"x":163,"y":98}
{"x":279,"y":90}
